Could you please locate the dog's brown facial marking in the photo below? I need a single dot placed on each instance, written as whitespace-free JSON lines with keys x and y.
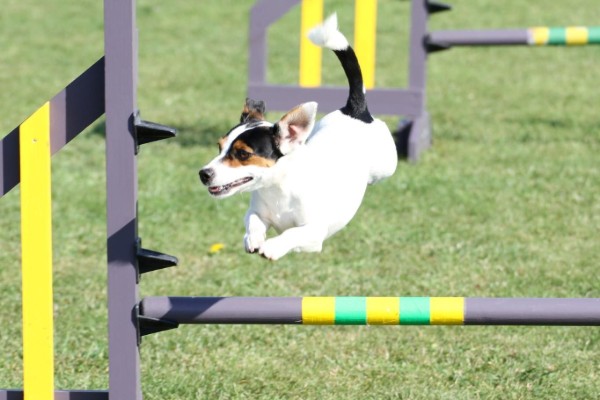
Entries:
{"x":254,"y":147}
{"x":240,"y":154}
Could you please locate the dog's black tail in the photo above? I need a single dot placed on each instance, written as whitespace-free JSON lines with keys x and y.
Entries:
{"x":327,"y":35}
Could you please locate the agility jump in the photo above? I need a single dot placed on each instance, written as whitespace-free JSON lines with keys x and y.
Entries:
{"x":109,"y":87}
{"x":414,"y":132}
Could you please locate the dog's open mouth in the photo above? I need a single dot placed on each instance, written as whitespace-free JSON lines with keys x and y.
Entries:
{"x":221,"y":190}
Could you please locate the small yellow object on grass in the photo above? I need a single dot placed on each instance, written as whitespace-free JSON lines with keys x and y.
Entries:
{"x":215,"y":248}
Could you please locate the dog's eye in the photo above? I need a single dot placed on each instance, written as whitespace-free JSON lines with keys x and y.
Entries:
{"x":242,"y":155}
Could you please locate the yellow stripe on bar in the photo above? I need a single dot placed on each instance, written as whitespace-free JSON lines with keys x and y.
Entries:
{"x":447,"y":310}
{"x":383,"y":310}
{"x":365,"y":28}
{"x":310,"y":55}
{"x":539,"y":35}
{"x":577,"y":35}
{"x":318,"y":310}
{"x":36,"y":248}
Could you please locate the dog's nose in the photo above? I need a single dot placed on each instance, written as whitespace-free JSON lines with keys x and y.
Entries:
{"x":206,"y":175}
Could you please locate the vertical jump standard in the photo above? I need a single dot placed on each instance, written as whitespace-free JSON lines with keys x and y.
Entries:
{"x":109,"y":87}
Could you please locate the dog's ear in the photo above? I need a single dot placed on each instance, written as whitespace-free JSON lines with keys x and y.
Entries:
{"x":253,"y":110}
{"x":295,"y":126}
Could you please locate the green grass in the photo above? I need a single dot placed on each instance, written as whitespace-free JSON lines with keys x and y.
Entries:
{"x":506,"y":203}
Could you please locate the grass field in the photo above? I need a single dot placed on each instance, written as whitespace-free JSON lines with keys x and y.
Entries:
{"x":506,"y":204}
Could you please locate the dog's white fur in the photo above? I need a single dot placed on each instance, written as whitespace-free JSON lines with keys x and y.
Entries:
{"x":315,"y":189}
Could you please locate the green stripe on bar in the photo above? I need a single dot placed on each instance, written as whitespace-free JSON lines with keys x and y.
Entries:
{"x":594,"y":35}
{"x":350,"y":310}
{"x":558,"y":36}
{"x":414,"y":311}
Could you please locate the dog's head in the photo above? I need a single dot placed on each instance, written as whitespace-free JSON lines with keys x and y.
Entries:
{"x":252,"y":147}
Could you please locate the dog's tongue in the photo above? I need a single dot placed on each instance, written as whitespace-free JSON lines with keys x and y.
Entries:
{"x":216,"y":189}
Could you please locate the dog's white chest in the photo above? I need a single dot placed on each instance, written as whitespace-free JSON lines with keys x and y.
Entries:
{"x":277,"y":208}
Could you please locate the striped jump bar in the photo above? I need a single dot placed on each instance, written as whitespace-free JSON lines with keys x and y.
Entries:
{"x":383,"y":311}
{"x":565,"y":36}
{"x":373,"y":310}
{"x":536,"y":36}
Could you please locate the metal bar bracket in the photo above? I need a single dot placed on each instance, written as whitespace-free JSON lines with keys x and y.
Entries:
{"x":433,"y":46}
{"x":146,"y":132}
{"x":435,"y":7}
{"x":150,"y":325}
{"x":150,"y":260}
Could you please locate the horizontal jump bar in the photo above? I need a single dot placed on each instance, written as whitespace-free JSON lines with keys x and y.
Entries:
{"x":539,"y":36}
{"x":373,"y":310}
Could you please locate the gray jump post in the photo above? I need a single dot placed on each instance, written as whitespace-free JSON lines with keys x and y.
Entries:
{"x":127,"y":260}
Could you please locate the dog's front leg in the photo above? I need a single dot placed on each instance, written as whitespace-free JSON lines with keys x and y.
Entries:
{"x":308,"y":237}
{"x":256,"y":232}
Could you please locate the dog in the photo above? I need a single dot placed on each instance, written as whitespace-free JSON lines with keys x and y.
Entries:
{"x":307,"y":178}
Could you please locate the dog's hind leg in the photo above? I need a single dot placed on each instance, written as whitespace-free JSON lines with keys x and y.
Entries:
{"x":307,"y":238}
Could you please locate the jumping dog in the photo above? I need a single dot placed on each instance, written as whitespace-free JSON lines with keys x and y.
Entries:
{"x":307,"y":178}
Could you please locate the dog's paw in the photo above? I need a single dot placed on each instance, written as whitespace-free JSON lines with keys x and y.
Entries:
{"x":252,"y":243}
{"x":273,"y":249}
